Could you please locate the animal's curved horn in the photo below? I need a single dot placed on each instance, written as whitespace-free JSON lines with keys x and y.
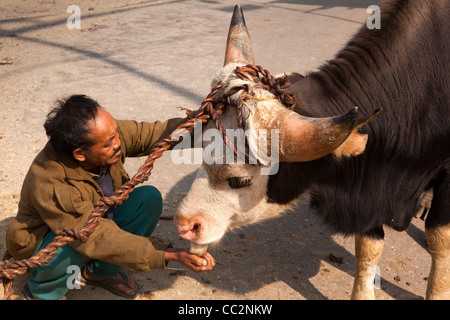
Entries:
{"x":239,"y":46}
{"x":305,"y":139}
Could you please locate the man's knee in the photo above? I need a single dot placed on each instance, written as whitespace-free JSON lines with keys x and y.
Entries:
{"x":151,"y":197}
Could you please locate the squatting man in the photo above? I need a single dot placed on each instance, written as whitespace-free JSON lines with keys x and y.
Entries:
{"x":82,"y":162}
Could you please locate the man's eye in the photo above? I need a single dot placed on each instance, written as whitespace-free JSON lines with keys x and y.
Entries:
{"x":239,"y":182}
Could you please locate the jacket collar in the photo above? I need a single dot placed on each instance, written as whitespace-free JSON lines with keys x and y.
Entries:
{"x":75,"y":172}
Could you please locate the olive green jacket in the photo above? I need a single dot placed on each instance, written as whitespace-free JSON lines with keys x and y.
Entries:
{"x":57,"y":193}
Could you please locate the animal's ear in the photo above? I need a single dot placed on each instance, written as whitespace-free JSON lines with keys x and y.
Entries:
{"x":355,"y":144}
{"x":292,"y":76}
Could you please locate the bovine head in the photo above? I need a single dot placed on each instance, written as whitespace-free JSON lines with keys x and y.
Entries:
{"x":226,"y":195}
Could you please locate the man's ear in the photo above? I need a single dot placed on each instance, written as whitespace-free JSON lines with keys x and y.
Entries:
{"x":79,"y":154}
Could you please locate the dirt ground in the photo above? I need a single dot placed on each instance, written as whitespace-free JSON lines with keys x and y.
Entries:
{"x":143,"y":59}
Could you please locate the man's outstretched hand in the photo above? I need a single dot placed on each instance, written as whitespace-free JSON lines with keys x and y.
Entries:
{"x":195,"y":263}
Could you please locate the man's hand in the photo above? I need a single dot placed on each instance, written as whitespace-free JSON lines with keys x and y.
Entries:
{"x":204,"y":263}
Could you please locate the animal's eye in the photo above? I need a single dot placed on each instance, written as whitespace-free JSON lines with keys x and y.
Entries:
{"x":239,"y":182}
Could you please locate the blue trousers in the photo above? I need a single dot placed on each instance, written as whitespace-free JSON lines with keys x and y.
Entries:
{"x":139,"y":214}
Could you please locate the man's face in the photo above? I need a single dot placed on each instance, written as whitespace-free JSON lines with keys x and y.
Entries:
{"x":106,"y":149}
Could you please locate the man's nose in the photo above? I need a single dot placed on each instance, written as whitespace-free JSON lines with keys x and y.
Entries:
{"x":116,"y":143}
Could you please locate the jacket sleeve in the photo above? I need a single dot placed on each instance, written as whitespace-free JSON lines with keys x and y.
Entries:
{"x":63,"y":206}
{"x":137,"y":138}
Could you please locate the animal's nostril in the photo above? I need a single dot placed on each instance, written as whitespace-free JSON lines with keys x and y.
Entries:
{"x":190,"y":231}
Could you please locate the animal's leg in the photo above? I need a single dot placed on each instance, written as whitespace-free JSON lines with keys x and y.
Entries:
{"x":438,"y":239}
{"x":424,"y":204}
{"x":437,"y":231}
{"x":368,"y":249}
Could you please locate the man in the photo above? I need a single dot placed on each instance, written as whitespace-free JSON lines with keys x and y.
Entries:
{"x":82,"y":162}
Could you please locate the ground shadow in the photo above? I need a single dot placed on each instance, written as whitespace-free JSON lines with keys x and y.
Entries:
{"x":319,"y":7}
{"x":418,"y":236}
{"x":3,"y":228}
{"x":326,"y":4}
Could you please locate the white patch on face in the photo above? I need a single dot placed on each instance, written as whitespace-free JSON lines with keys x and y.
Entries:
{"x":219,"y":207}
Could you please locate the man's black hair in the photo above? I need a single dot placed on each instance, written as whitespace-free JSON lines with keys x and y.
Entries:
{"x":68,"y":123}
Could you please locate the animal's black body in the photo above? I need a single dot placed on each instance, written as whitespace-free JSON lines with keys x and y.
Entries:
{"x":403,"y":68}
